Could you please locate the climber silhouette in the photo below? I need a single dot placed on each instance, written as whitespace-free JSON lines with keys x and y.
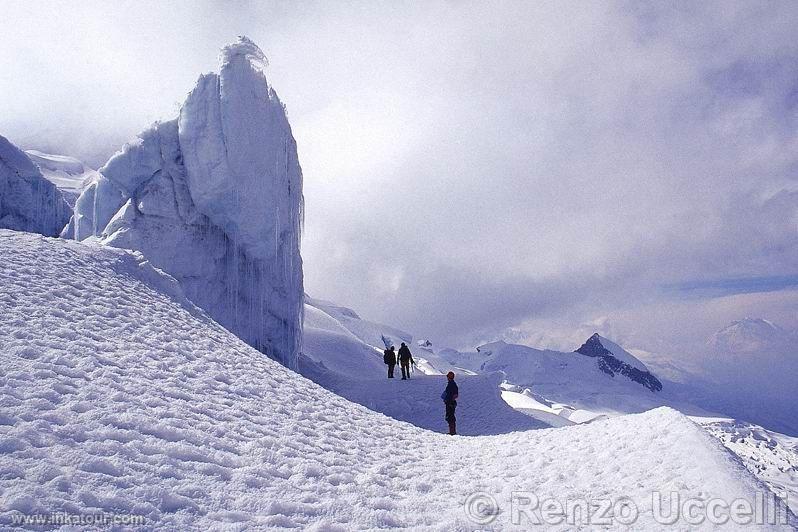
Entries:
{"x":389,"y":357}
{"x":449,"y":397}
{"x":405,"y":359}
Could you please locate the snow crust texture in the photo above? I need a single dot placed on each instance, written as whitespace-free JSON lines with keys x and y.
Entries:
{"x":119,"y":395}
{"x":770,"y":456}
{"x":214,"y":198}
{"x":28,"y":202}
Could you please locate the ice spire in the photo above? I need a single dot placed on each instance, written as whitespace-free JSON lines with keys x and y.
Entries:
{"x":215,"y":199}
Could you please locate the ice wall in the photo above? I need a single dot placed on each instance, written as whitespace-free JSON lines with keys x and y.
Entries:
{"x":28,"y":202}
{"x":214,"y":198}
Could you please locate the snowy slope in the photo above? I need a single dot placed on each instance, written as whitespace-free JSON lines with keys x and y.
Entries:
{"x":120,"y":396}
{"x":214,"y":197}
{"x":374,"y":334}
{"x":327,"y":342}
{"x":28,"y":202}
{"x":772,"y":458}
{"x":68,"y":174}
{"x":524,"y":400}
{"x":480,"y":409}
{"x":572,"y":387}
{"x":340,"y":361}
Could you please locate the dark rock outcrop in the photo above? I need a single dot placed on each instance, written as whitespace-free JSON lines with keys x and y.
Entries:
{"x":611,"y":365}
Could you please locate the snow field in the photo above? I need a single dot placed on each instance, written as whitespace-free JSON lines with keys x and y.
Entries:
{"x":118,"y":395}
{"x":341,"y":361}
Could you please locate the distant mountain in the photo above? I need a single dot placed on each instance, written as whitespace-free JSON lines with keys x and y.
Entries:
{"x":747,"y":336}
{"x":751,"y":371}
{"x":524,"y":365}
{"x":614,"y":359}
{"x":576,"y":386}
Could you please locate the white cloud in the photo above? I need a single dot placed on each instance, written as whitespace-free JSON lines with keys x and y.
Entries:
{"x":470,"y":167}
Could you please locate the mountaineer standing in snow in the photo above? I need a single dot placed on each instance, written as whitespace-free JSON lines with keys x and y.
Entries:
{"x":449,"y":397}
{"x":389,"y":357}
{"x":405,"y":359}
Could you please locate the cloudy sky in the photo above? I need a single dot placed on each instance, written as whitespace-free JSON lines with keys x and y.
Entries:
{"x":479,"y":170}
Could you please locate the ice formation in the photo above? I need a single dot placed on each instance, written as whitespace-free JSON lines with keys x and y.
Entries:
{"x":214,"y":198}
{"x":28,"y":202}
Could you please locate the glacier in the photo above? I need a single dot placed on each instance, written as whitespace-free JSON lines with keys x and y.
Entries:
{"x":214,"y":198}
{"x":28,"y":202}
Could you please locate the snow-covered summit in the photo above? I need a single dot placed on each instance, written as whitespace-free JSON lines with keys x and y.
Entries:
{"x":563,"y":377}
{"x":214,"y":198}
{"x":28,"y":202}
{"x":614,"y":359}
{"x":752,"y":365}
{"x":749,"y":335}
{"x":597,"y":345}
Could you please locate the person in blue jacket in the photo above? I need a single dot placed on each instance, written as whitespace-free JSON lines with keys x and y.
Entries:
{"x":449,"y":397}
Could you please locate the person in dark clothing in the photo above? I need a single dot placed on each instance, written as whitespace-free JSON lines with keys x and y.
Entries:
{"x":449,"y":397}
{"x":405,"y":359}
{"x":389,"y":357}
